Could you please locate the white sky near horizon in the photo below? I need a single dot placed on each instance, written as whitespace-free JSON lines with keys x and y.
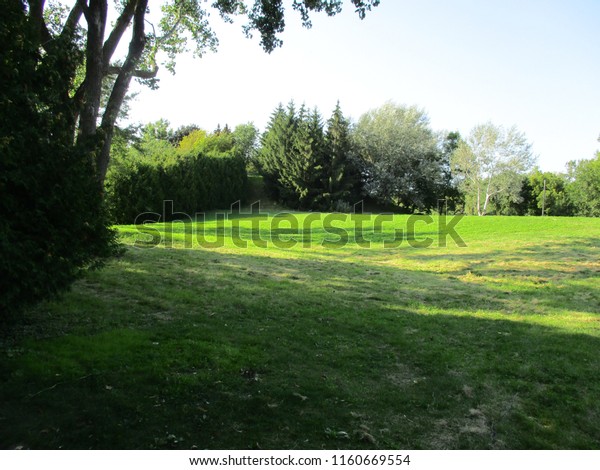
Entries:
{"x":530,"y":63}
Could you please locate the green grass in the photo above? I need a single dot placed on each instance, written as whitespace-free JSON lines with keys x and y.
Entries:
{"x":492,"y":345}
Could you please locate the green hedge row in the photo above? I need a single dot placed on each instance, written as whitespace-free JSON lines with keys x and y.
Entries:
{"x":194,"y":183}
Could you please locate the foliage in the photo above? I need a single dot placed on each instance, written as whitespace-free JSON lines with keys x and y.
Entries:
{"x":95,"y":100}
{"x":276,"y":147}
{"x":489,"y":165}
{"x":584,"y":189}
{"x":554,"y":199}
{"x":52,"y":224}
{"x":195,"y":182}
{"x":399,"y":156}
{"x":304,"y":165}
{"x":341,"y":179}
{"x":245,"y":138}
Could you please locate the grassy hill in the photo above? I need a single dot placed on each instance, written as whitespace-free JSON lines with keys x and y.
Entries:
{"x":318,"y":343}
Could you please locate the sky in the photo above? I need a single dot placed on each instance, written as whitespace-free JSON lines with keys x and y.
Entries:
{"x":530,"y":63}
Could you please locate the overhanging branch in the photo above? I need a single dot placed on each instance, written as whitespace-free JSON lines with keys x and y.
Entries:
{"x":73,"y":18}
{"x":116,"y":34}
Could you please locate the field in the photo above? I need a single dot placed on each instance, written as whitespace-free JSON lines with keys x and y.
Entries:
{"x":320,"y":343}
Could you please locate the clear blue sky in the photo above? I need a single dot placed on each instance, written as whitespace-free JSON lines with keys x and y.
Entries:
{"x":531,"y":63}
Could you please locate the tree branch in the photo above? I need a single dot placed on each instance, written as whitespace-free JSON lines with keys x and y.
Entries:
{"x":117,"y":33}
{"x":136,"y":49}
{"x":145,"y":74}
{"x":84,"y":8}
{"x":73,"y":18}
{"x":36,"y":13}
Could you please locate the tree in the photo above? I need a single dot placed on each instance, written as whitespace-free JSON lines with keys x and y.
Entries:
{"x":276,"y":147}
{"x":291,"y":156}
{"x":584,"y":188}
{"x":245,"y":137}
{"x":547,"y":191}
{"x":87,"y":29}
{"x":52,"y":222}
{"x":399,"y":157}
{"x":490,"y":163}
{"x":340,"y":177}
{"x":303,"y":168}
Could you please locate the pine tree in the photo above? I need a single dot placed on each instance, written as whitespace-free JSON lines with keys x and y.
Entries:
{"x":339,"y":176}
{"x":277,"y":147}
{"x":303,"y":174}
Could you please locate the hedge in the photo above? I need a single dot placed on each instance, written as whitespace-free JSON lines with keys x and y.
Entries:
{"x":195,"y":183}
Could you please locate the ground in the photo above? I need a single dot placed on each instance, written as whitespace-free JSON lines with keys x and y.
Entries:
{"x":490,"y":343}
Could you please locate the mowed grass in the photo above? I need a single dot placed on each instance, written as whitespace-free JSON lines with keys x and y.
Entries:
{"x":490,"y":345}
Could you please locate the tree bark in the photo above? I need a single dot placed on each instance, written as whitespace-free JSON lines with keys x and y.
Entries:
{"x":95,"y":15}
{"x":136,"y":49}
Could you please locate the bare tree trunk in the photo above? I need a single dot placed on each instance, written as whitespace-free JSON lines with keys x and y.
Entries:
{"x":95,"y":15}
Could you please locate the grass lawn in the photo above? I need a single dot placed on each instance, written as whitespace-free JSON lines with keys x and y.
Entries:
{"x":495,"y":344}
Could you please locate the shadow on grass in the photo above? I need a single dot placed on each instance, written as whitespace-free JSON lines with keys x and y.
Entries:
{"x":245,"y":351}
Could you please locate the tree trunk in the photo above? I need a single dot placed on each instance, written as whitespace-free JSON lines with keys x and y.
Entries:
{"x":136,"y":48}
{"x":95,"y":15}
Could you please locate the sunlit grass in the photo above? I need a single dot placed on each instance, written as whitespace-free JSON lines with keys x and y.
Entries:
{"x":319,"y":343}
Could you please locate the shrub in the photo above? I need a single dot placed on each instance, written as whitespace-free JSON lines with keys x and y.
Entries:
{"x":194,"y":183}
{"x":52,"y":222}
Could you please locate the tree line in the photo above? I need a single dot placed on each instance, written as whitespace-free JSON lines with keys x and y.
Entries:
{"x":390,"y":157}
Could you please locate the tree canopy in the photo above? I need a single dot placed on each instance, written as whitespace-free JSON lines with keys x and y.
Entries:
{"x":490,"y":163}
{"x":400,"y":158}
{"x":155,"y":37}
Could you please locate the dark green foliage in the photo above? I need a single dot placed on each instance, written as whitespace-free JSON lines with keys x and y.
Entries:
{"x":555,"y":200}
{"x":52,"y":224}
{"x":452,"y":197}
{"x":194,"y":183}
{"x":277,"y":147}
{"x":341,"y":180}
{"x":303,"y":166}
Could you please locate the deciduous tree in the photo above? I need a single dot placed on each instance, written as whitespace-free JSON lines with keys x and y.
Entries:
{"x":400,"y":158}
{"x":180,"y":25}
{"x":491,"y":162}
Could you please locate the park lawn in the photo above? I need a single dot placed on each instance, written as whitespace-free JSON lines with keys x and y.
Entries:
{"x":322,"y":344}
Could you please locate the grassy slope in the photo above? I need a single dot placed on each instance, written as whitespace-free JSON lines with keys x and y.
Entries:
{"x":493,"y":345}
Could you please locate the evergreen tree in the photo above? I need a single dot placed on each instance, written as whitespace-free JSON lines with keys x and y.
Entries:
{"x":303,"y":170}
{"x":277,"y":146}
{"x":340,"y":178}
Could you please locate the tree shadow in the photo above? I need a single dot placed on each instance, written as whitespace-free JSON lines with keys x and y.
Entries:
{"x":235,"y":350}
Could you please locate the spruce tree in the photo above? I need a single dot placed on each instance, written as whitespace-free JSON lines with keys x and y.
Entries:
{"x":339,"y":175}
{"x":276,"y":148}
{"x":303,"y":169}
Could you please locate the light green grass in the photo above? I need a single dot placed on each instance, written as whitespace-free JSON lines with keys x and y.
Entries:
{"x":492,"y":345}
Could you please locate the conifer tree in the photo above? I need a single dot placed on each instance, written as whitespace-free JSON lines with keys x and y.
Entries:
{"x":277,"y":146}
{"x":339,"y":175}
{"x":303,"y":169}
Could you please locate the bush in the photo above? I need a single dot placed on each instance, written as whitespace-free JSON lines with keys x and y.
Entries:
{"x":52,"y":223}
{"x":194,"y":183}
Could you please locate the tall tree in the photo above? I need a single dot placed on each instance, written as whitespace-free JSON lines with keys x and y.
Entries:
{"x":88,"y":26}
{"x":245,"y":137}
{"x":277,"y":146}
{"x":340,"y":178}
{"x":304,"y":166}
{"x":490,"y":163}
{"x":399,"y":156}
